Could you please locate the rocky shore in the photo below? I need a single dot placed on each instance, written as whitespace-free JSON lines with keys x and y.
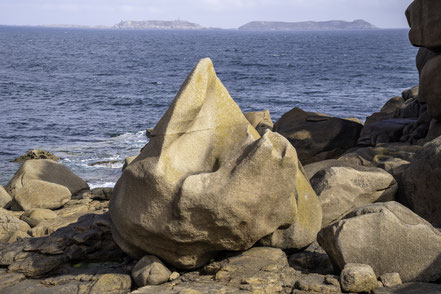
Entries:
{"x":220,"y":201}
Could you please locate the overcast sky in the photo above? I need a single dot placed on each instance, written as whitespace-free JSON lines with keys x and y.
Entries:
{"x":208,"y":13}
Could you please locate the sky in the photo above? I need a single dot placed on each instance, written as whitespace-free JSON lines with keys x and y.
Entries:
{"x":208,"y":13}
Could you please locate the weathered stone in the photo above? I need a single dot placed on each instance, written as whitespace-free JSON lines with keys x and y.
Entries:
{"x":37,"y":215}
{"x":421,"y":182}
{"x":311,"y":260}
{"x":207,"y":182}
{"x":423,"y":56}
{"x":5,"y":198}
{"x":149,"y":270}
{"x":430,"y":86}
{"x":128,"y":160}
{"x":102,"y":194}
{"x":260,"y":120}
{"x":434,"y":130}
{"x":41,"y":194}
{"x":45,"y":170}
{"x":315,"y":283}
{"x":383,"y":131}
{"x":358,"y":278}
{"x":36,"y":154}
{"x":258,"y":270}
{"x":89,"y":239}
{"x":424,"y":19}
{"x":391,"y":279}
{"x":317,"y":136}
{"x":410,"y":93}
{"x":10,"y":225}
{"x":410,"y":288}
{"x":371,"y":234}
{"x":345,"y":188}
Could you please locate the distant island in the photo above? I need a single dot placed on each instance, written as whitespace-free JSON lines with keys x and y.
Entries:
{"x":307,"y":25}
{"x":157,"y":25}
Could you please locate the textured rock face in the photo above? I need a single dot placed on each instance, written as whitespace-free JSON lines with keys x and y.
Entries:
{"x":317,"y":136}
{"x":11,"y":227}
{"x":421,"y":182}
{"x":208,"y":182}
{"x":41,"y":194}
{"x":388,"y":237}
{"x":37,"y":215}
{"x":5,"y":198}
{"x":430,"y":86}
{"x":358,"y":278}
{"x":48,"y":171}
{"x":149,"y":270}
{"x":260,"y":120}
{"x":342,"y":189}
{"x":424,"y":19}
{"x":36,"y":154}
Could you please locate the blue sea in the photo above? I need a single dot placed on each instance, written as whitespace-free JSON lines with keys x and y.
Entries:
{"x":89,"y":95}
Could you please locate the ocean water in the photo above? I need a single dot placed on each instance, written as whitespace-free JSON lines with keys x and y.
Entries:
{"x":89,"y":95}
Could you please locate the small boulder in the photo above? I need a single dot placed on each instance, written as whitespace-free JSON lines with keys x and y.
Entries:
{"x":421,"y":182}
{"x":424,"y":18}
{"x":358,"y":278}
{"x":37,"y":215}
{"x":36,"y":154}
{"x":318,"y":136}
{"x":341,"y":189}
{"x":410,"y":93}
{"x":387,"y":236}
{"x":45,"y":170}
{"x":391,"y":279}
{"x":149,"y":270}
{"x":5,"y":198}
{"x":260,"y":120}
{"x":41,"y":194}
{"x":102,"y":194}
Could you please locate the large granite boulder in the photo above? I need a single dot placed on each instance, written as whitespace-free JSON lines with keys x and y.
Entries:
{"x":421,"y":182}
{"x":207,"y":182}
{"x":430,"y":86}
{"x":341,"y":189}
{"x":390,"y":238}
{"x":318,"y":136}
{"x":424,"y":18}
{"x":423,"y":56}
{"x":41,"y":194}
{"x":45,"y":170}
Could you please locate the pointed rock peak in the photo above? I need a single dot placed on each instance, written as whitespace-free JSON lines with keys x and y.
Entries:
{"x":202,"y":103}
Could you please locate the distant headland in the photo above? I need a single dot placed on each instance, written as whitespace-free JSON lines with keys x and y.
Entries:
{"x":307,"y":25}
{"x":251,"y":26}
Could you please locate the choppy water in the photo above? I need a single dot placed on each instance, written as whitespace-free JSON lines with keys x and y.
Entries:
{"x":88,"y":95}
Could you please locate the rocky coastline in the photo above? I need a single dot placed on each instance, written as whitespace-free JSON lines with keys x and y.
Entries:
{"x":221,"y":201}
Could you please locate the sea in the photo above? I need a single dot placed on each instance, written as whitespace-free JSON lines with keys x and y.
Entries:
{"x":89,"y":95}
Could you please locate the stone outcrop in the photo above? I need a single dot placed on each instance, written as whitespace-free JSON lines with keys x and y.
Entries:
{"x":421,"y":182}
{"x":258,"y":270}
{"x":37,"y":215}
{"x":41,"y":194}
{"x":207,"y":182}
{"x":341,"y":189}
{"x":424,"y":19}
{"x":36,"y":154}
{"x":410,"y":288}
{"x":317,"y":136}
{"x":48,"y":171}
{"x":430,"y":86}
{"x":260,"y":120}
{"x":390,"y":238}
